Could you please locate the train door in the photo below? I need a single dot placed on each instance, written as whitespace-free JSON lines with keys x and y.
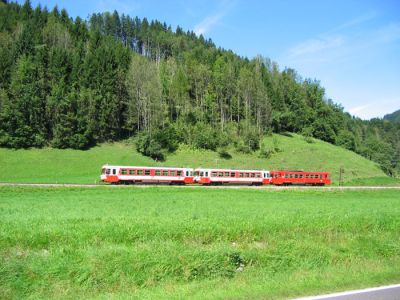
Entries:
{"x":266,"y":177}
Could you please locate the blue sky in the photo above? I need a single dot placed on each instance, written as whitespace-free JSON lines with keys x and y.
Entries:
{"x":351,"y":46}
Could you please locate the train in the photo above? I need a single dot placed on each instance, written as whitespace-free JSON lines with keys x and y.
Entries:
{"x":205,"y":176}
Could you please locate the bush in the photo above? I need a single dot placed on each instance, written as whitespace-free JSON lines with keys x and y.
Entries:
{"x":223,"y":153}
{"x":346,"y":140}
{"x":307,"y":134}
{"x":240,"y":146}
{"x":149,"y":146}
{"x":265,"y":152}
{"x":205,"y":136}
{"x":167,"y":137}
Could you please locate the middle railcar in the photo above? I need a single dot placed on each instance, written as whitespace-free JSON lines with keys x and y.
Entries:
{"x":231,"y":176}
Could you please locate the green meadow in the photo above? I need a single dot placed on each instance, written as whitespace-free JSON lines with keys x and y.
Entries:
{"x":292,"y":152}
{"x":160,"y":242}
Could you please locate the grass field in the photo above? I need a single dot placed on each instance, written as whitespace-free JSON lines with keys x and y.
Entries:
{"x":154,"y":242}
{"x":73,"y":166}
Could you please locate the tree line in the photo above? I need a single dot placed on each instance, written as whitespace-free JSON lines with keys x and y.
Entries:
{"x":73,"y":83}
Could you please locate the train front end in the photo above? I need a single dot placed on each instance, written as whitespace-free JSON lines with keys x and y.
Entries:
{"x":109,"y":174}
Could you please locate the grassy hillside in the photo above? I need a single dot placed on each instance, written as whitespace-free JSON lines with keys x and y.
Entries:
{"x":75,"y":166}
{"x":152,"y":243}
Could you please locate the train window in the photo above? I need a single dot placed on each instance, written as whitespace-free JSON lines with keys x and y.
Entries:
{"x":320,"y":176}
{"x":301,"y":176}
{"x":146,"y":172}
{"x":165,"y":173}
{"x":286,"y":175}
{"x":179,"y":173}
{"x":201,"y":174}
{"x":191,"y":173}
{"x":107,"y":171}
{"x":131,"y":172}
{"x":187,"y":173}
{"x":232,"y":174}
{"x":240,"y":174}
{"x":114,"y":171}
{"x":158,"y":172}
{"x":172,"y":173}
{"x":140,"y":172}
{"x":306,"y":175}
{"x":258,"y":175}
{"x":206,"y":174}
{"x":124,"y":171}
{"x":213,"y":174}
{"x":296,"y":176}
{"x":252,"y":175}
{"x":220,"y":174}
{"x":246,"y":175}
{"x":226,"y":174}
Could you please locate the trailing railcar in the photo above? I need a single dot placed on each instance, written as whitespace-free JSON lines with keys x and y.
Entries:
{"x":299,"y":177}
{"x":231,"y":176}
{"x":137,"y":174}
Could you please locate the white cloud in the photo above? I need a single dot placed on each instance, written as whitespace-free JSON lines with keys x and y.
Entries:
{"x":333,"y":45}
{"x":345,"y":59}
{"x":210,"y":21}
{"x":376,"y":109}
{"x":354,"y":22}
{"x":315,"y":45}
{"x":206,"y":24}
{"x":389,"y":33}
{"x":360,"y":109}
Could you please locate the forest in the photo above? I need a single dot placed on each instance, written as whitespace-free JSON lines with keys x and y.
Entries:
{"x":74,"y":83}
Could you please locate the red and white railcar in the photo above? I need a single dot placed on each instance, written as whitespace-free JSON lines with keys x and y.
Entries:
{"x":231,"y":176}
{"x":134,"y":174}
{"x":299,"y":177}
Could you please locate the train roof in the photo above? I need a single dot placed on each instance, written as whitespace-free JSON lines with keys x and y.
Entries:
{"x":291,"y":171}
{"x":146,"y":167}
{"x":228,"y":170}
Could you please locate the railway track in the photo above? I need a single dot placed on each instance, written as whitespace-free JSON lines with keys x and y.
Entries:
{"x":267,"y":187}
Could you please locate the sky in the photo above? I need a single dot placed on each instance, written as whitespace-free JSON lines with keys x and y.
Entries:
{"x":351,"y":46}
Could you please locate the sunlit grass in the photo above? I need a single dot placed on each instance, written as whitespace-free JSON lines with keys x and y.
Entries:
{"x":182,"y":242}
{"x":74,"y":166}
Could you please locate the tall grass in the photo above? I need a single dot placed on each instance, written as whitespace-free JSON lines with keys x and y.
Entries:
{"x":153,"y":242}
